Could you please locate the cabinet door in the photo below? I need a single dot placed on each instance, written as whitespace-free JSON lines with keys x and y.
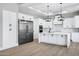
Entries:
{"x":9,"y":29}
{"x":41,"y":37}
{"x":5,"y":29}
{"x":57,"y":39}
{"x":46,"y":38}
{"x":68,"y":23}
{"x":76,"y":21}
{"x":75,"y":37}
{"x":52,"y":39}
{"x":13,"y":28}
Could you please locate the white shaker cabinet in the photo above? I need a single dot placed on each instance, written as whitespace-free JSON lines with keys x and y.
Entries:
{"x":77,"y":21}
{"x":68,"y":23}
{"x":25,"y":17}
{"x":41,"y":21}
{"x":9,"y":29}
{"x":72,"y":22}
{"x":40,"y":38}
{"x":57,"y":39}
{"x":75,"y":37}
{"x":44,"y":38}
{"x":48,"y":25}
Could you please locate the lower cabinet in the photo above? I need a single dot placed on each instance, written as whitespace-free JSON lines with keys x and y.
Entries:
{"x":75,"y":37}
{"x":58,"y":39}
{"x":53,"y":39}
{"x":44,"y":38}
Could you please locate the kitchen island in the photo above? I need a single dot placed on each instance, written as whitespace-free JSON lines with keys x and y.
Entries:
{"x":58,"y":38}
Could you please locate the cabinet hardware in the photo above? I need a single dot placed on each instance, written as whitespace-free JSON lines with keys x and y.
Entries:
{"x":51,"y":34}
{"x":10,"y":25}
{"x":44,"y":34}
{"x":61,"y":35}
{"x":10,"y":29}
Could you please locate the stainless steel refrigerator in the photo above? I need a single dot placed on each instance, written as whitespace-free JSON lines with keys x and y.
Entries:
{"x":25,"y":32}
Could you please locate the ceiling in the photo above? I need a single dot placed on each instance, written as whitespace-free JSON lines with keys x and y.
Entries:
{"x":44,"y":9}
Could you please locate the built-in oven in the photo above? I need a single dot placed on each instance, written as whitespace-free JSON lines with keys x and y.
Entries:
{"x":40,"y":28}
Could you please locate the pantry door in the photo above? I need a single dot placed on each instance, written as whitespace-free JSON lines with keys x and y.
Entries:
{"x":9,"y":29}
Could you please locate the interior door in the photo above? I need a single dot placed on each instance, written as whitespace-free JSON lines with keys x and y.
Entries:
{"x":9,"y":29}
{"x":13,"y":28}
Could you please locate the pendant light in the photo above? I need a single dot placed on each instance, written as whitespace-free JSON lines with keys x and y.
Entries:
{"x":61,"y":16}
{"x":48,"y":13}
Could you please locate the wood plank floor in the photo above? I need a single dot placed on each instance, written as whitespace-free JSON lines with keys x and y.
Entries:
{"x":41,"y":49}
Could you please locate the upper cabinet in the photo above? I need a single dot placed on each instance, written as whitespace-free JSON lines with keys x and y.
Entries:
{"x":45,"y":24}
{"x":77,"y":21}
{"x":41,"y":21}
{"x":25,"y":17}
{"x":48,"y":24}
{"x":72,"y":22}
{"x":68,"y":23}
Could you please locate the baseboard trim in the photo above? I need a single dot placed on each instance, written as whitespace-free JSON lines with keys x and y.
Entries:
{"x":2,"y":48}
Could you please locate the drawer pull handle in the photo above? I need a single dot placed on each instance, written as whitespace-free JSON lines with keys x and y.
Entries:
{"x":51,"y":34}
{"x":61,"y":35}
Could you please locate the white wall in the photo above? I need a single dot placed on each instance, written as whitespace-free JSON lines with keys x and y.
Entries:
{"x":0,"y":26}
{"x":36,"y":28}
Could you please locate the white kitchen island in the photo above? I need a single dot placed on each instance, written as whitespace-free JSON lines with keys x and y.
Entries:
{"x":58,"y":38}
